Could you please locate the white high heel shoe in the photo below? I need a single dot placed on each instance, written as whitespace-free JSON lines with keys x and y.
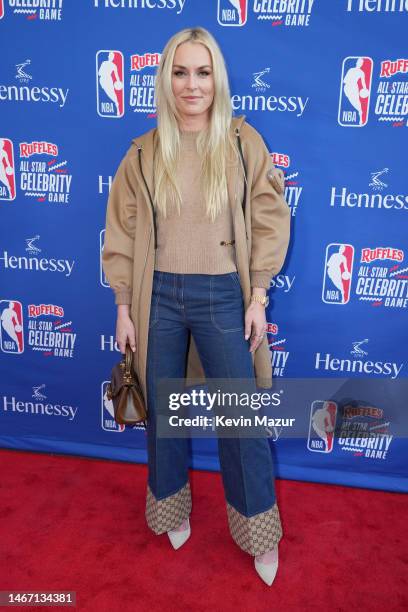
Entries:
{"x":267,"y":571}
{"x":177,"y":538}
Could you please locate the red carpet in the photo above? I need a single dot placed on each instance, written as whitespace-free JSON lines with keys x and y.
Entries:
{"x":77,"y":524}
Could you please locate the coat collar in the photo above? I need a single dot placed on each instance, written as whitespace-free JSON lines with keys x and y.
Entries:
{"x":146,"y":142}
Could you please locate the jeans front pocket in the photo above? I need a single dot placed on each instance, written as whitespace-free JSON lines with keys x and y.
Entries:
{"x":154,"y":307}
{"x":226,"y":302}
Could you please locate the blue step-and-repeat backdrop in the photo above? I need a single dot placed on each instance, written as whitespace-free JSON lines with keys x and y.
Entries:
{"x":325,"y":83}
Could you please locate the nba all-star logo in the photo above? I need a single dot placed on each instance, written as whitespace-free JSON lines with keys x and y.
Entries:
{"x":277,"y":347}
{"x":293,"y":190}
{"x":390,"y":103}
{"x":110,"y":79}
{"x":381,"y":278}
{"x":33,"y":10}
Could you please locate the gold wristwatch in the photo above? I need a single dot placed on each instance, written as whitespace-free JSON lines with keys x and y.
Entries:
{"x":262,"y":299}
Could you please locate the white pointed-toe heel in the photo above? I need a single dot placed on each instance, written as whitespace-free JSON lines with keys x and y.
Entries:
{"x":267,"y":571}
{"x":177,"y":538}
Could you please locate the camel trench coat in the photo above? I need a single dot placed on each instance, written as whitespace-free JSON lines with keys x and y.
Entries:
{"x":261,"y":238}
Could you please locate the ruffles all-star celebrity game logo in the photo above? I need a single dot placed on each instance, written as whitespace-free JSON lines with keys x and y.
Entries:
{"x":33,"y":10}
{"x":364,"y":431}
{"x":293,"y":190}
{"x":48,"y":333}
{"x":295,"y":13}
{"x":382,"y":278}
{"x":391,"y":105}
{"x":44,"y":174}
{"x":277,"y":347}
{"x":142,"y":82}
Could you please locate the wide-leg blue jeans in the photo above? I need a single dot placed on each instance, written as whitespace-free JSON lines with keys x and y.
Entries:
{"x":211,"y":308}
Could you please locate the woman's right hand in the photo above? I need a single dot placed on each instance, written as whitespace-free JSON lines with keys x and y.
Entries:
{"x":125,"y":330}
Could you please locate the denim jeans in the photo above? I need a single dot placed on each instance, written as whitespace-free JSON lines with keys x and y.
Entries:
{"x":211,"y":308}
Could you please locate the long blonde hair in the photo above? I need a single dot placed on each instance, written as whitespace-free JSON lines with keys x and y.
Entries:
{"x":214,"y":143}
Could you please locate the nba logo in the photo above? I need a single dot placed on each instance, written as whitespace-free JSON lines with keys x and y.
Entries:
{"x":108,"y":422}
{"x":338,"y":269}
{"x":7,"y":175}
{"x":1,"y":9}
{"x":109,"y":84}
{"x":11,"y":326}
{"x":322,"y":424}
{"x":232,"y":12}
{"x":355,"y":88}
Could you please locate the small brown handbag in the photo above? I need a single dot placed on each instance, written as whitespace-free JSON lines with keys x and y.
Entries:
{"x":126,"y":393}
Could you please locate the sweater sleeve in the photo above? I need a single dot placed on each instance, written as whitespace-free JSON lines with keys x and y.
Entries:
{"x":270,"y":221}
{"x":118,"y":249}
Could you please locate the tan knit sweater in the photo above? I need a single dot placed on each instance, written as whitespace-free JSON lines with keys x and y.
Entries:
{"x":190,"y":243}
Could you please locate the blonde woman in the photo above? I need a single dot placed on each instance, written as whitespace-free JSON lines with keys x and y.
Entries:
{"x":196,"y":226}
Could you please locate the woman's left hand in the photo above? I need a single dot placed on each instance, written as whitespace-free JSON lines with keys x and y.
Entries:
{"x":255,"y":322}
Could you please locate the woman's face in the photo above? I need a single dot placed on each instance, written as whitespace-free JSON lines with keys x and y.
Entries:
{"x":192,"y":80}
